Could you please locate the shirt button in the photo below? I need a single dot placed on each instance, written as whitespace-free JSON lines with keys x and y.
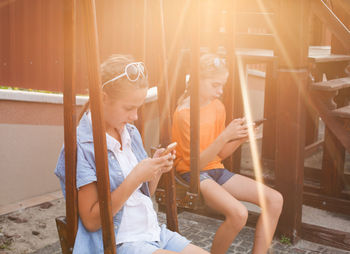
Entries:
{"x":116,"y":227}
{"x":120,"y":173}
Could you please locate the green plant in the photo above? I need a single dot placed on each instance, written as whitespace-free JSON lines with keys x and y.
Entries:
{"x":285,"y":240}
{"x":5,"y":245}
{"x":24,"y":89}
{"x":5,"y":241}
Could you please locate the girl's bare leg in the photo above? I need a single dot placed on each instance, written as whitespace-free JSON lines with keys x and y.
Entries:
{"x":246,"y":189}
{"x":193,"y":249}
{"x":235,"y":214}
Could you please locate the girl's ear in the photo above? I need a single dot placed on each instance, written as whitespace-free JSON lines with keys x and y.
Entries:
{"x":104,"y":97}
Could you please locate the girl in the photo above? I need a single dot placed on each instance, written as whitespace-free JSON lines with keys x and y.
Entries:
{"x":221,"y":188}
{"x":133,"y":176}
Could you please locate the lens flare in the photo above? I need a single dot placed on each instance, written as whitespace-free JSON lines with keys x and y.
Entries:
{"x":253,"y":144}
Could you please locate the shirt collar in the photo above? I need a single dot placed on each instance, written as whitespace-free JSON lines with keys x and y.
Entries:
{"x":114,"y":144}
{"x":85,"y":135}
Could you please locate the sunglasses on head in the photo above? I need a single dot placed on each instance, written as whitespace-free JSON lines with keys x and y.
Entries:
{"x":219,"y":62}
{"x":133,"y":72}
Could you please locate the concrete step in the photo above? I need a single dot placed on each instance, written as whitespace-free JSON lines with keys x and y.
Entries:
{"x":322,"y":54}
{"x":343,"y":112}
{"x":332,"y":85}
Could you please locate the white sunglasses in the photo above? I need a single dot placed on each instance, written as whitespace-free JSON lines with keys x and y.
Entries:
{"x":133,"y":71}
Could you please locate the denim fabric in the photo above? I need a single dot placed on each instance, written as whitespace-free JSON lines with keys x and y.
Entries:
{"x":91,"y":242}
{"x":169,"y":240}
{"x":219,"y":175}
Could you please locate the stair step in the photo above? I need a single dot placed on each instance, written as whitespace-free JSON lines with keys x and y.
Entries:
{"x":322,"y":54}
{"x":255,"y":40}
{"x":332,"y":85}
{"x":259,"y":21}
{"x":343,"y":112}
{"x":317,"y":54}
{"x":324,"y":58}
{"x":257,"y":5}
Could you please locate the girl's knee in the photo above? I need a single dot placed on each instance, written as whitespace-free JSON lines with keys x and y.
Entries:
{"x":237,"y":217}
{"x":275,"y":201}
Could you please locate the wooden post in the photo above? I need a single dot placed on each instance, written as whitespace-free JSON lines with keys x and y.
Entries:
{"x":70,"y":137}
{"x":165,"y":121}
{"x":333,"y":150}
{"x":98,"y":125}
{"x":230,"y":93}
{"x":238,"y":112}
{"x":292,"y":77}
{"x":194,"y":101}
{"x":333,"y":162}
{"x":269,"y":129}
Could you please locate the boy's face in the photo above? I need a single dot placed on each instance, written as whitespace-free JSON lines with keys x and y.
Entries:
{"x":212,"y":87}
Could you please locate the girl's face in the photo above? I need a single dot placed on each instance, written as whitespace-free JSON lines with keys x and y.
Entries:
{"x":122,"y":110}
{"x":212,"y":87}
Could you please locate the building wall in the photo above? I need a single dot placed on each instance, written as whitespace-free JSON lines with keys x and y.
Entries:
{"x":31,"y":134}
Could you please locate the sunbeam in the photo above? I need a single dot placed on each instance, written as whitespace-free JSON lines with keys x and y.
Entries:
{"x":252,"y":142}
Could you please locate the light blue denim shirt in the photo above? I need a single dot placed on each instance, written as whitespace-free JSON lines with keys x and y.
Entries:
{"x":91,"y":242}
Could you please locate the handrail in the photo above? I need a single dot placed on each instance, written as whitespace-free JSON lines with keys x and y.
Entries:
{"x":327,"y":16}
{"x":98,"y":126}
{"x":332,"y":123}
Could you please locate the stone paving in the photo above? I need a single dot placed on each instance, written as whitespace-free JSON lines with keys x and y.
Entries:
{"x":200,"y":230}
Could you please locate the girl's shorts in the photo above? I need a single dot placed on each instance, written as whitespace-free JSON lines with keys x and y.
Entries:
{"x":219,"y":175}
{"x":169,"y":240}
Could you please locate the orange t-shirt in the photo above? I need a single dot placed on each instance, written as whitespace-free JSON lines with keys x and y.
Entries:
{"x":212,"y":123}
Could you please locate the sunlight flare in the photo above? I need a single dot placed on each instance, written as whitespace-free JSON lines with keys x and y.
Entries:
{"x":252,"y":142}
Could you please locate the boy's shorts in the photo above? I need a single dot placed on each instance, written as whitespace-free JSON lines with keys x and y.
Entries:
{"x":169,"y":240}
{"x":219,"y":175}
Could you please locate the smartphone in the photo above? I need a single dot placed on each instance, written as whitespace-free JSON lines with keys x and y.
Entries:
{"x":259,"y":122}
{"x":169,"y":148}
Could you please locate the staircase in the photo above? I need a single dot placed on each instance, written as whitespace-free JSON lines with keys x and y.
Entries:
{"x":329,"y":93}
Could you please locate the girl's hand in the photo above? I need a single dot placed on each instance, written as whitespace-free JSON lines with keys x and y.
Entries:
{"x":236,"y":129}
{"x":172,"y":154}
{"x":255,"y":130}
{"x":152,"y":168}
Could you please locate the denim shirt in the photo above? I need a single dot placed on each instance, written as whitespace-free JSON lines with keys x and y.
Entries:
{"x":85,"y":241}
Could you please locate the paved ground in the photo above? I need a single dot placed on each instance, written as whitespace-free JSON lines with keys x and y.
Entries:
{"x":201,"y":230}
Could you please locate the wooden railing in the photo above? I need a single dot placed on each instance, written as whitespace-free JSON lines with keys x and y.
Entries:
{"x":342,"y":33}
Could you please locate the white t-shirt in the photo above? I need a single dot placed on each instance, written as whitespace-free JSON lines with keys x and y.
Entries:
{"x":139,"y":220}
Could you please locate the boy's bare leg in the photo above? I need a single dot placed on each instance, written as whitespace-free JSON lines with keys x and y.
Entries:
{"x":246,"y":189}
{"x":235,"y":213}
